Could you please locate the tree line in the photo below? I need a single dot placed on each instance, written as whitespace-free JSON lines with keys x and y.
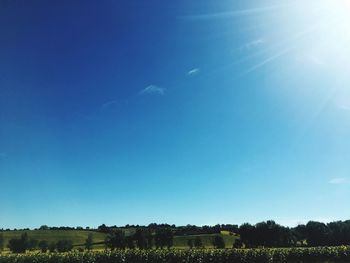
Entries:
{"x":270,"y":234}
{"x":142,"y":239}
{"x":115,"y":239}
{"x":24,"y":243}
{"x":263,"y":234}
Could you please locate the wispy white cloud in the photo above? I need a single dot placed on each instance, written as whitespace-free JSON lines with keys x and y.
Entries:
{"x":312,"y":59}
{"x":254,"y":43}
{"x":113,"y":104}
{"x":344,"y":107}
{"x":108,"y":104}
{"x":193,"y":71}
{"x":152,"y":89}
{"x":269,"y":60}
{"x":250,"y":45}
{"x":234,"y":13}
{"x":338,"y":180}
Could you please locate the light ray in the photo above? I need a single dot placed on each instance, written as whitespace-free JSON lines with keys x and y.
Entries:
{"x":236,"y":13}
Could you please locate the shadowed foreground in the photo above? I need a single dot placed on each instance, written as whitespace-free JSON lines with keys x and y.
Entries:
{"x":321,"y":254}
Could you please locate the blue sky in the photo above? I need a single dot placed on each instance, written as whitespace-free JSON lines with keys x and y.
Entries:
{"x":184,"y":112}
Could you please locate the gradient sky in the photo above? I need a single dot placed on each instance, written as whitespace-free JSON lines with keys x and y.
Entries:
{"x":184,"y":112}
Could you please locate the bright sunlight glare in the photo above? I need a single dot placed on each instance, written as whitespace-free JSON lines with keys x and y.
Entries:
{"x":322,"y":29}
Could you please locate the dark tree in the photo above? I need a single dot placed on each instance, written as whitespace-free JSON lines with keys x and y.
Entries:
{"x":198,"y":242}
{"x":339,"y":233}
{"x":190,"y":243}
{"x":89,"y":242}
{"x":140,"y":237}
{"x":266,"y":234}
{"x":247,"y":233}
{"x":32,"y":244}
{"x":164,"y":237}
{"x":103,"y":228}
{"x":115,"y":239}
{"x":64,"y":245}
{"x":218,"y":242}
{"x":2,"y":241}
{"x":299,"y":232}
{"x":150,"y":240}
{"x":19,"y":245}
{"x":43,"y":245}
{"x":52,"y":247}
{"x":316,"y":233}
{"x":237,"y":243}
{"x":270,"y":234}
{"x":129,"y":242}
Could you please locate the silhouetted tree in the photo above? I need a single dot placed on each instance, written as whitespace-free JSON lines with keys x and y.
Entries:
{"x":43,"y":245}
{"x":299,"y":232}
{"x":2,"y":241}
{"x":316,"y":233}
{"x":190,"y":243}
{"x":150,"y":240}
{"x":19,"y":245}
{"x":115,"y":239}
{"x":64,"y":245}
{"x":270,"y":234}
{"x":198,"y":242}
{"x":129,"y":242}
{"x":88,"y":242}
{"x":103,"y":228}
{"x":52,"y":247}
{"x":164,"y":238}
{"x":247,"y":234}
{"x":338,"y":233}
{"x":32,"y":244}
{"x":218,"y":242}
{"x":237,"y":243}
{"x":140,"y":237}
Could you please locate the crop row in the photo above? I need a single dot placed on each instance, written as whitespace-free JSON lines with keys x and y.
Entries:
{"x":321,"y":254}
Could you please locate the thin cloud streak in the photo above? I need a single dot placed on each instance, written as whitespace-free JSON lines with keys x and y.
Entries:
{"x":345,"y":107}
{"x":235,"y":13}
{"x":194,"y":71}
{"x":108,"y":104}
{"x":152,"y":89}
{"x":254,"y":43}
{"x":113,"y":104}
{"x":339,"y":180}
{"x":268,"y":60}
{"x":312,"y":59}
{"x":272,"y":58}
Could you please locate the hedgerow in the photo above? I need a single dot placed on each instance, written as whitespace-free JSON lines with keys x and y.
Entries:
{"x":318,"y":254}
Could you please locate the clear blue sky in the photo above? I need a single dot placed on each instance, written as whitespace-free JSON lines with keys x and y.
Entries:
{"x":184,"y":112}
